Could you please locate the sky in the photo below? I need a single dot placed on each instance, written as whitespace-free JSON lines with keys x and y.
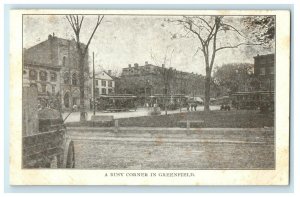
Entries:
{"x":127,"y":39}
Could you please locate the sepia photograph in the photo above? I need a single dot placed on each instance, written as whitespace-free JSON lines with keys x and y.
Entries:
{"x":176,"y":93}
{"x":148,"y":92}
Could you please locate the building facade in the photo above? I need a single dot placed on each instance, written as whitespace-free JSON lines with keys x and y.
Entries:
{"x":104,"y":84}
{"x":147,"y":80}
{"x":46,"y":79}
{"x":59,"y":55}
{"x":264,"y":71}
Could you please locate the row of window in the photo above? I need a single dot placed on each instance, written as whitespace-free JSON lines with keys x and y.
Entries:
{"x":103,"y":90}
{"x":43,"y":75}
{"x":44,"y":88}
{"x":74,"y":80}
{"x":266,"y":60}
{"x":103,"y":83}
{"x":268,"y":70}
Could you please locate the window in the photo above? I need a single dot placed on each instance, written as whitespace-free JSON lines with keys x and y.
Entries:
{"x":53,"y":76}
{"x":43,"y":75}
{"x":53,"y":89}
{"x":96,"y":81}
{"x":263,"y":61}
{"x":271,"y":70}
{"x":110,"y":91}
{"x":64,"y":61}
{"x":66,"y":78}
{"x":103,"y":91}
{"x":96,"y":91}
{"x":271,"y":84}
{"x":43,"y":88}
{"x":24,"y":72}
{"x":74,"y":79}
{"x":32,"y":75}
{"x":103,"y":83}
{"x":262,"y":71}
{"x":33,"y":85}
{"x":109,"y":83}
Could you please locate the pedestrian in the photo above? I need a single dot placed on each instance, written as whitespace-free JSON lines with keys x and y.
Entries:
{"x":39,"y":107}
{"x":75,"y":108}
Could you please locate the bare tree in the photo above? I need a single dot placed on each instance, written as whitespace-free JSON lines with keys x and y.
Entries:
{"x":167,"y":74}
{"x":76,"y":23}
{"x":211,"y":32}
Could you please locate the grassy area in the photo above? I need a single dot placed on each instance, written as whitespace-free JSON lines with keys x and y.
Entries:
{"x":220,"y":119}
{"x":213,"y":119}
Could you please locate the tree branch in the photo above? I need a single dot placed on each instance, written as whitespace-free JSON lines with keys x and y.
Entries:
{"x":71,"y":23}
{"x":233,"y":28}
{"x":97,"y":24}
{"x":236,"y":46}
{"x":217,"y":25}
{"x":82,"y":17}
{"x":199,"y":48}
{"x":190,"y":28}
{"x":203,"y":20}
{"x":200,"y":27}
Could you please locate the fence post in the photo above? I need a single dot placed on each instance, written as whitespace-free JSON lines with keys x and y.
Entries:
{"x":188,"y":124}
{"x":116,"y":125}
{"x":188,"y":127}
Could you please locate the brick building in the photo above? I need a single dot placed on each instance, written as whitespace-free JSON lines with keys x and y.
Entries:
{"x":148,"y":79}
{"x":53,"y":65}
{"x":45,"y":77}
{"x":264,"y":71}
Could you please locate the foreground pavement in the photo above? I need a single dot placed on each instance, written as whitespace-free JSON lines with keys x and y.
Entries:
{"x":173,"y":148}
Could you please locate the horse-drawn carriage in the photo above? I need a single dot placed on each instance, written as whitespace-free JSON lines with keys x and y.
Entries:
{"x":45,"y":143}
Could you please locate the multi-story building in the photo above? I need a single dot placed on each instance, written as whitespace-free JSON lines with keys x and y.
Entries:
{"x":104,"y":84}
{"x":56,"y":62}
{"x":264,"y":71}
{"x":45,"y":77}
{"x":261,"y":94}
{"x":149,"y":79}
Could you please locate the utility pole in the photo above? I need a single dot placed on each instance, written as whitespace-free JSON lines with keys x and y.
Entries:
{"x":94,"y":98}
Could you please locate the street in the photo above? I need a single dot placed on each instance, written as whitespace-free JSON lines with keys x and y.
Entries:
{"x":74,"y":117}
{"x":149,"y":148}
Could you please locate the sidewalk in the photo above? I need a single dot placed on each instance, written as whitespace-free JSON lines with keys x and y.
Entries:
{"x":74,"y":117}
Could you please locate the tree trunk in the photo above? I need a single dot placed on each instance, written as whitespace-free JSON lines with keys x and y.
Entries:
{"x":207,"y":91}
{"x":81,"y":89}
{"x":165,"y":106}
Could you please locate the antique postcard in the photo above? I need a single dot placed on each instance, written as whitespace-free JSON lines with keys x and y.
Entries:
{"x":148,"y":97}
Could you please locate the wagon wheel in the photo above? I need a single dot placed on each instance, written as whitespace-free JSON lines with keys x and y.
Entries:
{"x":54,"y":162}
{"x":69,"y":155}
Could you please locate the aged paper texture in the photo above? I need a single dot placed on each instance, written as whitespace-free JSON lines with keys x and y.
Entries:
{"x":148,"y":97}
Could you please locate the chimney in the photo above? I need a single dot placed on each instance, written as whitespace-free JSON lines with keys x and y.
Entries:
{"x":146,"y":62}
{"x":129,"y":65}
{"x":109,"y":72}
{"x":136,"y":65}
